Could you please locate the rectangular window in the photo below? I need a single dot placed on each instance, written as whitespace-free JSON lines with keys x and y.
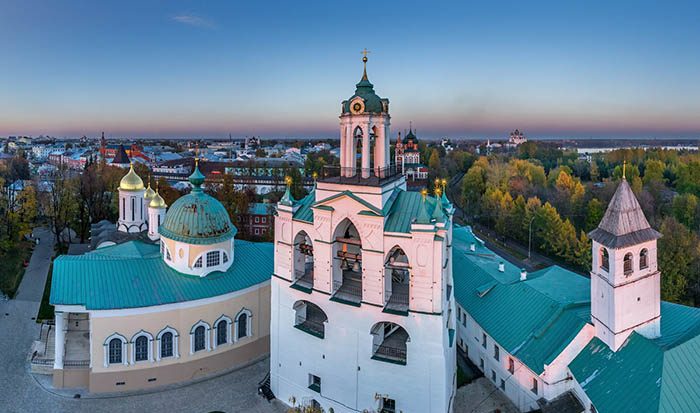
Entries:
{"x":213,"y":258}
{"x":315,"y":383}
{"x":257,"y":219}
{"x":511,"y":365}
{"x":263,"y":220}
{"x":496,"y":352}
{"x":481,"y":364}
{"x":388,"y":405}
{"x":483,"y":340}
{"x":257,"y":231}
{"x":534,"y":385}
{"x":503,"y":385}
{"x":493,"y":376}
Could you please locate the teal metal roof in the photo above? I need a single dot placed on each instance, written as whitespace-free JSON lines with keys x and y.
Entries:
{"x":304,"y":211}
{"x":646,"y":375}
{"x":404,"y":209}
{"x":133,"y":274}
{"x":260,"y":208}
{"x":197,"y":218}
{"x":534,"y":319}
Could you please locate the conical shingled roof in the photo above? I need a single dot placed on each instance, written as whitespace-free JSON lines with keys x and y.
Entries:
{"x":624,"y":223}
{"x":121,"y":158}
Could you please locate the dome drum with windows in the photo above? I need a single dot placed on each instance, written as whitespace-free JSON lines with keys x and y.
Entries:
{"x":197,"y":234}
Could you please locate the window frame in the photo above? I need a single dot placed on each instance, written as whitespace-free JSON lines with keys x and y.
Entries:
{"x":149,"y":347}
{"x":213,"y":258}
{"x":108,"y":340}
{"x":644,"y":255}
{"x":207,"y":335}
{"x":228,"y":329}
{"x":248,"y":324}
{"x":159,"y":337}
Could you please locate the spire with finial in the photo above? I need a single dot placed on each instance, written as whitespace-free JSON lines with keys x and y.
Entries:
{"x":624,"y":169}
{"x":287,"y":198}
{"x":364,"y":52}
{"x":197,"y":177}
{"x":438,"y":215}
{"x":423,"y":217}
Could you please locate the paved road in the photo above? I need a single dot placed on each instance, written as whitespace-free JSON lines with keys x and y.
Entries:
{"x":21,"y":392}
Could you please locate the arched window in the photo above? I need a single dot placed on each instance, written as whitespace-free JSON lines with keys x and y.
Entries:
{"x":115,"y":350}
{"x":212,"y":258}
{"x":628,"y":263}
{"x":604,"y":259}
{"x":133,"y":209}
{"x":389,"y":343}
{"x":310,"y":318}
{"x":198,"y":263}
{"x":141,"y":347}
{"x":243,"y":324}
{"x":222,"y":331}
{"x":347,"y":264}
{"x":303,"y":265}
{"x":199,"y":337}
{"x":167,"y":255}
{"x":167,"y":343}
{"x":396,"y":281}
{"x":644,"y":259}
{"x":225,"y":257}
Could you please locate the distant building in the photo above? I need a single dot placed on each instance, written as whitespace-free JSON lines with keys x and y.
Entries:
{"x":258,"y":221}
{"x":120,"y":158}
{"x":516,"y":138}
{"x":252,"y":143}
{"x":408,"y":158}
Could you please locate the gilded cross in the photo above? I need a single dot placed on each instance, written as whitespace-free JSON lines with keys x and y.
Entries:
{"x":365,"y":52}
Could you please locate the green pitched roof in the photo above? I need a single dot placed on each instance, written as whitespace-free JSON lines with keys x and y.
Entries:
{"x":646,"y":375}
{"x":535,"y":319}
{"x":133,"y":274}
{"x":404,"y":209}
{"x":304,"y":211}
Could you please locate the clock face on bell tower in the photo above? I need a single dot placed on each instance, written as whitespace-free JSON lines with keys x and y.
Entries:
{"x":357,"y":107}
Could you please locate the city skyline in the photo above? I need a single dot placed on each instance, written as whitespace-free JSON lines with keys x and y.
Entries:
{"x":175,"y":69}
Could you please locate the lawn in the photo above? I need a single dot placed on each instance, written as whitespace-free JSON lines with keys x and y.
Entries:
{"x":12,"y":268}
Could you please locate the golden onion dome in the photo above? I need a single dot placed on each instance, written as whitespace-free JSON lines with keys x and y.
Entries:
{"x":150,"y":193}
{"x":157,"y":201}
{"x":131,"y":181}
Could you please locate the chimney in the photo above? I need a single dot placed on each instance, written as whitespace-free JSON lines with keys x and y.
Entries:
{"x":472,"y":247}
{"x":523,"y":274}
{"x":501,"y":267}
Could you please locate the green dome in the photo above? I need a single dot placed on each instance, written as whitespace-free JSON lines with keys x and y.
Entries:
{"x":197,"y":218}
{"x":365,"y":90}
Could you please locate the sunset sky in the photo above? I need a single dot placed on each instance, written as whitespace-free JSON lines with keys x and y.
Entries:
{"x":458,"y":69}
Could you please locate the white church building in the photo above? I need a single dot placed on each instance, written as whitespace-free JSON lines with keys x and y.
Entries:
{"x":362,"y":304}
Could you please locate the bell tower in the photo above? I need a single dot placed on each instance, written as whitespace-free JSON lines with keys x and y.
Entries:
{"x":625,"y":280}
{"x":364,"y":131}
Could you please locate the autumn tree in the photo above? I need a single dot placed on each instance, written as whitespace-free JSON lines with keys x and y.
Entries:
{"x":677,"y":256}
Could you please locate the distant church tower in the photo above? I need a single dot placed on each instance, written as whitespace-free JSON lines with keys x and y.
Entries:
{"x":625,"y":280}
{"x":363,"y":313}
{"x":132,"y":213}
{"x":364,"y":131}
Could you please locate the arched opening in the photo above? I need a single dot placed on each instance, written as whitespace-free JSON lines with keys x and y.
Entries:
{"x":358,"y":140}
{"x":628,"y":263}
{"x":604,"y":259}
{"x":396,"y":281}
{"x":389,"y":342}
{"x":347,"y":264}
{"x":303,"y":265}
{"x":310,"y":318}
{"x":643,"y":259}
